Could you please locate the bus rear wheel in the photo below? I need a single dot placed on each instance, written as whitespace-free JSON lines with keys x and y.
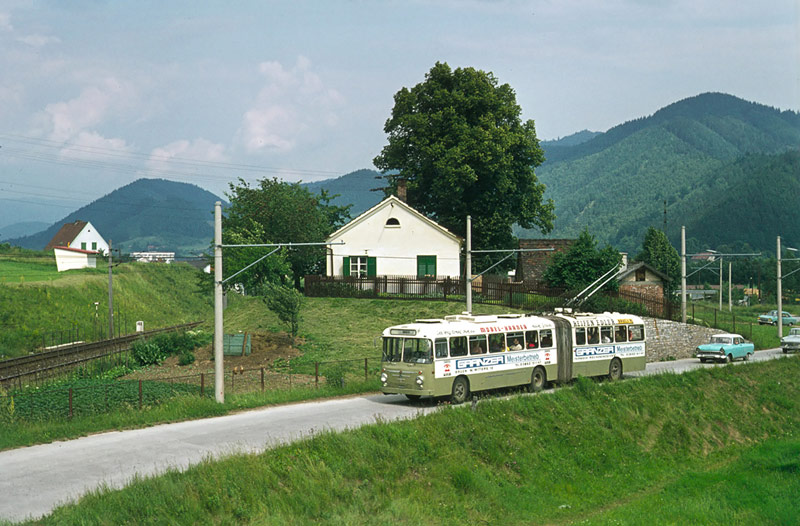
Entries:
{"x":538,"y":379}
{"x":615,"y":370}
{"x":460,"y":391}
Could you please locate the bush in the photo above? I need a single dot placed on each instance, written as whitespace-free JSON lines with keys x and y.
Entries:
{"x":186,"y":358}
{"x":147,"y":353}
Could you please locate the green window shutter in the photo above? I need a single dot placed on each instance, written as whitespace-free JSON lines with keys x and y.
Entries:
{"x":426,"y":266}
{"x":83,"y":246}
{"x":346,"y":266}
{"x":372,"y":267}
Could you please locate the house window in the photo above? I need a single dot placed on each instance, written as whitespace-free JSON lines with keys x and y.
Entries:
{"x":94,"y":245}
{"x":426,"y":266}
{"x":393,"y":222}
{"x":359,"y":266}
{"x":641,"y":274}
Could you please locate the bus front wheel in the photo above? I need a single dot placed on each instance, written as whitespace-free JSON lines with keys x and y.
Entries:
{"x":538,"y":379}
{"x":615,"y":370}
{"x":460,"y":391}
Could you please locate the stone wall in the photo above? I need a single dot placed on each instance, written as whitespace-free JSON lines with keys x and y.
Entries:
{"x":674,"y":339}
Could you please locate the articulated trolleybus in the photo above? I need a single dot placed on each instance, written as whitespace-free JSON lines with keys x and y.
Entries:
{"x":464,"y":353}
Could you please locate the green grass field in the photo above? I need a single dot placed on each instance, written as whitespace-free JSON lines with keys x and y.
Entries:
{"x":741,"y":320}
{"x":713,"y":446}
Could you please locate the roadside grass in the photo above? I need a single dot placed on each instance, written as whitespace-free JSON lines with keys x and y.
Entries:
{"x":596,"y":452}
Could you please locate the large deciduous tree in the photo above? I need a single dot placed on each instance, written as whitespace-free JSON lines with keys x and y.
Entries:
{"x":458,"y":142}
{"x":582,"y":264}
{"x":662,"y":256}
{"x":280,"y":212}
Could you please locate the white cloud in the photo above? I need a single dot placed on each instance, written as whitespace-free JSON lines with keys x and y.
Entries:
{"x":38,"y":41}
{"x":178,"y":154}
{"x":293,"y":107}
{"x":91,"y":145}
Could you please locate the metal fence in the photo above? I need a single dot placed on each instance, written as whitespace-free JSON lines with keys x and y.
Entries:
{"x":87,"y":397}
{"x":531,"y":296}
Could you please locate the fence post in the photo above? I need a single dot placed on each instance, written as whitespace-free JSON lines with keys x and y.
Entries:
{"x":202,"y":384}
{"x":140,"y":395}
{"x":70,"y":402}
{"x":262,"y":379}
{"x":365,"y":369}
{"x":734,"y":322}
{"x":715,"y":319}
{"x":316,"y":374}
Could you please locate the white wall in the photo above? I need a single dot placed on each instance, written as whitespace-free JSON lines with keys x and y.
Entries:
{"x":90,"y":235}
{"x":69,"y":260}
{"x":396,"y":247}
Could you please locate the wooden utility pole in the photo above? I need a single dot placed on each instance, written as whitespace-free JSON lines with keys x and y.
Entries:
{"x":110,"y":293}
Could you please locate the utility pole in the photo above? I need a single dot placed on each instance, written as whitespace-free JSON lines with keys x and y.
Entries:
{"x":219,"y":378}
{"x":780,"y":293}
{"x":683,"y":274}
{"x":730,"y":296}
{"x":110,"y":293}
{"x":469,"y":265}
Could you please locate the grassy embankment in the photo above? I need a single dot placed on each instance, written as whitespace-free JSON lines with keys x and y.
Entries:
{"x":38,"y":301}
{"x":713,"y":446}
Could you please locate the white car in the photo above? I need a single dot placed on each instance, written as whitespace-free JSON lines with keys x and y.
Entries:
{"x":791,"y":342}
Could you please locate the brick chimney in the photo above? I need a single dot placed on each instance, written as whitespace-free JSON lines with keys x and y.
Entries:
{"x":402,"y":190}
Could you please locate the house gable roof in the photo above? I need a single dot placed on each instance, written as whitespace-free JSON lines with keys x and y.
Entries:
{"x":392,"y":201}
{"x":630,"y":269}
{"x":66,"y":235}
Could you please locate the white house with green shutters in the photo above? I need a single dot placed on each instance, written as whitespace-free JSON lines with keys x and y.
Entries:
{"x":393,"y":239}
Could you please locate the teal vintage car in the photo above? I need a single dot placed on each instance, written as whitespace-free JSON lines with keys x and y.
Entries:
{"x":725,"y":348}
{"x":771,"y":318}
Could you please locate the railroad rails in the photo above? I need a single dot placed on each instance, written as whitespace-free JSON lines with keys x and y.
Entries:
{"x":45,"y":364}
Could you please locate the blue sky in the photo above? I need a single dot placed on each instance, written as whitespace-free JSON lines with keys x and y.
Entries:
{"x":95,"y":94}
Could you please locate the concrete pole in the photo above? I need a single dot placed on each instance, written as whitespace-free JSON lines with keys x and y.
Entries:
{"x":469,"y":265}
{"x":110,"y":293}
{"x":219,"y":371}
{"x":780,"y":293}
{"x":730,"y":296}
{"x":720,"y":283}
{"x":683,"y":274}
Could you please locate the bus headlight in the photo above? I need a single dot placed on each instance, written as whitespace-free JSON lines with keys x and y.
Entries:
{"x":384,"y":377}
{"x":420,"y":380}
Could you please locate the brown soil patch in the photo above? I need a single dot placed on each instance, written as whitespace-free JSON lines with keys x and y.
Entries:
{"x":265,"y":349}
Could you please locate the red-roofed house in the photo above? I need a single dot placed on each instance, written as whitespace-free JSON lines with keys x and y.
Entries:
{"x":79,"y":234}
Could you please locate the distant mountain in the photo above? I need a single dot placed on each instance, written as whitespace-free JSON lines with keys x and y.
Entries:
{"x":555,"y":147}
{"x":616,"y":184}
{"x":147,"y":214}
{"x":24,"y":228}
{"x":354,"y":189}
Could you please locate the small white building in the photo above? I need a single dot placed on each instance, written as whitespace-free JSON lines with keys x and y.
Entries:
{"x":393,"y":239}
{"x":79,"y":234}
{"x":68,"y":258}
{"x":154,"y":257}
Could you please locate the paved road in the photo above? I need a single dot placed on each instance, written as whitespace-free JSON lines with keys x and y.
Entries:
{"x":34,"y":480}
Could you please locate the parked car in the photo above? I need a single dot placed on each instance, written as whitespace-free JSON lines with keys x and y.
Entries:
{"x":725,"y":348}
{"x":771,"y":318}
{"x":791,"y":342}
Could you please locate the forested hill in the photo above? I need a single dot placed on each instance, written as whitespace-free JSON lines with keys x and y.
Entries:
{"x":355,"y":188}
{"x":147,"y":214}
{"x":616,"y":183}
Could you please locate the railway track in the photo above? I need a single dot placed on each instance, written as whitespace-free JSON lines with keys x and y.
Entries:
{"x":45,"y":364}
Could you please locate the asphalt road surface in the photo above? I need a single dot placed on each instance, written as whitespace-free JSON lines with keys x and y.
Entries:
{"x":34,"y":480}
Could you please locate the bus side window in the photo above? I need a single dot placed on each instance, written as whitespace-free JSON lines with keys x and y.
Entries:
{"x":546,"y":336}
{"x":392,"y":349}
{"x":606,"y":336}
{"x":580,"y":336}
{"x":514,"y":341}
{"x":592,"y":335}
{"x":636,"y":333}
{"x":620,"y":334}
{"x":441,"y":347}
{"x":532,"y":339}
{"x":496,"y":343}
{"x":477,"y":344}
{"x":458,"y":346}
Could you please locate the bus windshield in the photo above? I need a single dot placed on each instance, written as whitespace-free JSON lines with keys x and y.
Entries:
{"x":408,"y":350}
